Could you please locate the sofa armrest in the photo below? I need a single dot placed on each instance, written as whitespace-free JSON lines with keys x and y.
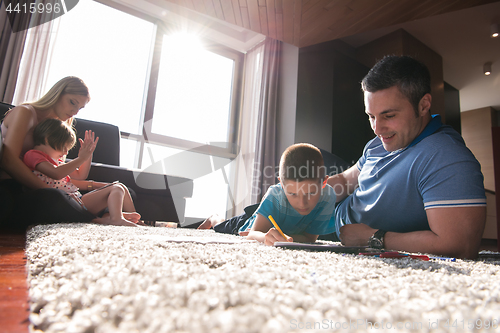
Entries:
{"x":157,"y":197}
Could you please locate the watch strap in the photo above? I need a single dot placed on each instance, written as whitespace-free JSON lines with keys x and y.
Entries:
{"x":378,"y":237}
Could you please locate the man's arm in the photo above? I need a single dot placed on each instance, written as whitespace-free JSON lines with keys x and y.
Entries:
{"x":344,"y":183}
{"x":455,"y":232}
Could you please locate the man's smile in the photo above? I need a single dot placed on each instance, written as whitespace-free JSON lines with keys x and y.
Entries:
{"x":386,"y":137}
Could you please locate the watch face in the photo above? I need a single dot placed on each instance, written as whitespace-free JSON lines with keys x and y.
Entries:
{"x":376,"y":243}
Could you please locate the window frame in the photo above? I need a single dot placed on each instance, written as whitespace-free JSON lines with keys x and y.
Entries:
{"x":147,"y":136}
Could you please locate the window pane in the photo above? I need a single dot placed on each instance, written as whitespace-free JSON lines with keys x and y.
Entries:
{"x":110,"y":55}
{"x":193,"y":97}
{"x":128,"y":149}
{"x":210,"y":190}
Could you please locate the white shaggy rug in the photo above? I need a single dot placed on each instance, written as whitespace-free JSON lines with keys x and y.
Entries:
{"x":93,"y":278}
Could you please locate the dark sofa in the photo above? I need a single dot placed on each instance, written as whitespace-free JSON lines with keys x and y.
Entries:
{"x":156,"y":196}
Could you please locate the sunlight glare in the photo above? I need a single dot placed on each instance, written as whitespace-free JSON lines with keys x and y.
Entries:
{"x":184,"y":42}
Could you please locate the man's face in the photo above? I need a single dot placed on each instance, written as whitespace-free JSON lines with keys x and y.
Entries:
{"x":393,"y":119}
{"x":303,"y":196}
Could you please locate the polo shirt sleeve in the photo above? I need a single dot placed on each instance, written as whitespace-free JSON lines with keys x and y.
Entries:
{"x":363,"y":157}
{"x":458,"y":182}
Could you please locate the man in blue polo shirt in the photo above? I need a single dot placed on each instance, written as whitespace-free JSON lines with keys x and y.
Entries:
{"x":416,"y":187}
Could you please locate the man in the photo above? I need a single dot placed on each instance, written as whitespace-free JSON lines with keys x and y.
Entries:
{"x":417,"y":188}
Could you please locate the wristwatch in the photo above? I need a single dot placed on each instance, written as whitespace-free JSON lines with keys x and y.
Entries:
{"x":376,"y":241}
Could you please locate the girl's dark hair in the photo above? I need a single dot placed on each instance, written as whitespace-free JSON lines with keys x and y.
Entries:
{"x":57,"y":133}
{"x":410,"y":76}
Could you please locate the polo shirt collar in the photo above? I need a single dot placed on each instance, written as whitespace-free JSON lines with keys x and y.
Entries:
{"x":431,"y":128}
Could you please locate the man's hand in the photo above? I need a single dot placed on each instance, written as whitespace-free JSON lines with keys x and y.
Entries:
{"x":356,"y":234}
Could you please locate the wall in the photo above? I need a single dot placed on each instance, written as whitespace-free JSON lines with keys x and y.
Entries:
{"x":351,"y":128}
{"x":401,"y":42}
{"x":330,"y":108}
{"x":452,"y":107}
{"x":314,"y":98}
{"x":477,"y":133}
{"x":287,"y":98}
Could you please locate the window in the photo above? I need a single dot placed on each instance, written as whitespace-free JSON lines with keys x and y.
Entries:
{"x":166,"y":90}
{"x":193,"y":92}
{"x":111,"y":56}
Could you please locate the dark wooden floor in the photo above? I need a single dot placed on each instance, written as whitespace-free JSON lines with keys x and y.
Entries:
{"x":14,"y":307}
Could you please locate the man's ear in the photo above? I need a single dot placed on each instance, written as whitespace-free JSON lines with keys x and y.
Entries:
{"x":425,"y":104}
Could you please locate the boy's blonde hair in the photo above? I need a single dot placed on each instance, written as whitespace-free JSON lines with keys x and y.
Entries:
{"x":54,"y":132}
{"x":302,"y":161}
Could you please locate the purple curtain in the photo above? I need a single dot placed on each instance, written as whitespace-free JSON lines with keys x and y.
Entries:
{"x":265,"y":149}
{"x":255,"y":167}
{"x":11,"y":50}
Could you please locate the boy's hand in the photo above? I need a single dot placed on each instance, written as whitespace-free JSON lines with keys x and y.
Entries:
{"x":88,"y":145}
{"x":273,"y":236}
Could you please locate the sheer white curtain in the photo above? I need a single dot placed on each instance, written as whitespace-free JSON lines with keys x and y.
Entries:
{"x":36,"y":59}
{"x":255,"y":165}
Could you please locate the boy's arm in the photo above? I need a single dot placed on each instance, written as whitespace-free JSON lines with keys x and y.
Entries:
{"x":305,"y":238}
{"x":263,"y":231}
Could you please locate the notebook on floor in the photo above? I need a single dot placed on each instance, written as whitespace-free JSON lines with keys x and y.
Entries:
{"x":321,"y":247}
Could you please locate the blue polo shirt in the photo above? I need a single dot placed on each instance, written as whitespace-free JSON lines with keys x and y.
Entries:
{"x":319,"y":221}
{"x":395,"y":188}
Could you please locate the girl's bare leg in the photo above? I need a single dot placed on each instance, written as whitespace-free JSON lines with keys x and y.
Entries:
{"x":128,"y":203}
{"x":111,"y":197}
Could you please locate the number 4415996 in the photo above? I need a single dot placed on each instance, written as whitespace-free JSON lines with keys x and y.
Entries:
{"x":34,"y":8}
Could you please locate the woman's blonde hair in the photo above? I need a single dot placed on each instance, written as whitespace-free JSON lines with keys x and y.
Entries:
{"x":68,"y":85}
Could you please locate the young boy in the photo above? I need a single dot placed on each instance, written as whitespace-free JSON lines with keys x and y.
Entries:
{"x":53,"y":139}
{"x":302,"y":204}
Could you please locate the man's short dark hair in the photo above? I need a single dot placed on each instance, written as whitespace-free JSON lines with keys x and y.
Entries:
{"x":410,"y":76}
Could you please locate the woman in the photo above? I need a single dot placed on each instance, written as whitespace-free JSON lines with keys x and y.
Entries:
{"x":20,"y":208}
{"x":62,"y":101}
